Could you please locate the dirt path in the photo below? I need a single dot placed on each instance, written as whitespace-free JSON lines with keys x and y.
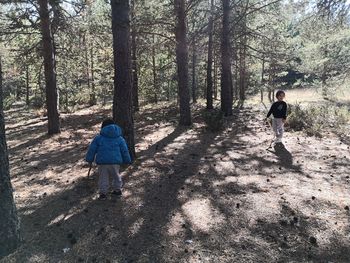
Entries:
{"x":193,"y":196}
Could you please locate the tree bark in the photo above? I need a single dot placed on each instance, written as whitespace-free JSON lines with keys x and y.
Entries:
{"x":262,"y":80}
{"x":93,"y":99}
{"x":27,"y":85}
{"x":242,"y":61}
{"x":49,"y":69}
{"x":135,"y":79}
{"x":235,"y":76}
{"x":231,"y":85}
{"x":155,"y":84}
{"x":242,"y":73}
{"x":215,"y":82}
{"x":182,"y":62}
{"x":194,"y":76}
{"x":210,"y":58}
{"x":87,"y":70}
{"x":9,"y":230}
{"x":66,"y":94}
{"x":226,"y":95}
{"x":122,"y":100}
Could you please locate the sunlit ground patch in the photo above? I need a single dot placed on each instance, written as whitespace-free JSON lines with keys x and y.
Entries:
{"x":202,"y":215}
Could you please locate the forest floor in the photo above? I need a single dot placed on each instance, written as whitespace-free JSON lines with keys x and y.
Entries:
{"x":192,"y":195}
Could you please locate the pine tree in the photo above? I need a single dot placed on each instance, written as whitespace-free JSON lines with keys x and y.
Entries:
{"x":226,"y":94}
{"x":182,"y":62}
{"x":122,"y":101}
{"x":49,"y":68}
{"x":209,"y":93}
{"x":9,"y":230}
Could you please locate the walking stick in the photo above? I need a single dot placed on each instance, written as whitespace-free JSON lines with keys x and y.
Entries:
{"x":89,"y":171}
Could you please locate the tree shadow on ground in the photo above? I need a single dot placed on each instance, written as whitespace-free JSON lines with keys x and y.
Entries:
{"x":158,"y":192}
{"x":295,"y":235}
{"x":155,"y":217}
{"x":137,"y":225}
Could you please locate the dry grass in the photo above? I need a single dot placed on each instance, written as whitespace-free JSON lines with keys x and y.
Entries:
{"x":307,"y":96}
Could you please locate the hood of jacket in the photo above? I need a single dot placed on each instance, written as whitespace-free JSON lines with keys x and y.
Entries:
{"x":111,"y":131}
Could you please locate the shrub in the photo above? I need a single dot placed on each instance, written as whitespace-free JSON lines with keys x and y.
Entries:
{"x":37,"y":102}
{"x":342,"y":115}
{"x":214,"y":119}
{"x":298,"y":119}
{"x":8,"y":101}
{"x":313,"y":120}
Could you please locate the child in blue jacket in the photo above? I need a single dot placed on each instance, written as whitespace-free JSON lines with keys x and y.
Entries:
{"x":109,"y":150}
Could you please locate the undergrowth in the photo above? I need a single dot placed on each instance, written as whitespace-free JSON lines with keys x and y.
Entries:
{"x":314,"y":120}
{"x":214,"y":119}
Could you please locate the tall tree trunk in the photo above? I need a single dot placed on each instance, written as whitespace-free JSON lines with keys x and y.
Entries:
{"x":66,"y":94}
{"x":27,"y":85}
{"x":49,"y":68}
{"x":269,"y":88}
{"x":226,"y":95}
{"x":135,"y":79}
{"x":93,"y":100}
{"x":194,"y":77}
{"x":262,"y":80}
{"x":236,"y":86}
{"x":182,"y":62}
{"x":242,"y":61}
{"x":9,"y":230}
{"x":210,"y":58}
{"x":168,"y":92}
{"x":18,"y":92}
{"x":231,"y":84}
{"x":272,"y":81}
{"x":122,"y":100}
{"x":215,"y":82}
{"x":154,"y":71}
{"x":242,"y":73}
{"x":270,"y":95}
{"x":87,"y":70}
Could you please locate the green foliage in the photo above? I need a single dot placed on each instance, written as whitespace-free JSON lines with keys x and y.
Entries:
{"x":297,"y":117}
{"x":299,"y":44}
{"x":37,"y":102}
{"x":81,"y":99}
{"x":314,"y":120}
{"x":8,"y":101}
{"x":214,"y":119}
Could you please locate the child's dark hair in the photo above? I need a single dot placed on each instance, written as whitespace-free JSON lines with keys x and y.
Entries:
{"x":107,"y":122}
{"x":280,"y":92}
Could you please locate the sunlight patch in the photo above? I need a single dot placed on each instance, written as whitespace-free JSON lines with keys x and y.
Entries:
{"x":136,"y":226}
{"x":56,"y":220}
{"x":175,"y":225}
{"x":235,"y":155}
{"x":202,"y":215}
{"x":224,"y":168}
{"x":265,"y":205}
{"x":227,"y":180}
{"x":39,"y":258}
{"x":73,"y":211}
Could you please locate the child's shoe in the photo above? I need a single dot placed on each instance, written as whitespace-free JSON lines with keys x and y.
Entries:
{"x":117,"y":193}
{"x":102,"y":197}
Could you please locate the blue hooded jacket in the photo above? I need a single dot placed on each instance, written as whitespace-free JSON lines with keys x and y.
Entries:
{"x":109,"y":147}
